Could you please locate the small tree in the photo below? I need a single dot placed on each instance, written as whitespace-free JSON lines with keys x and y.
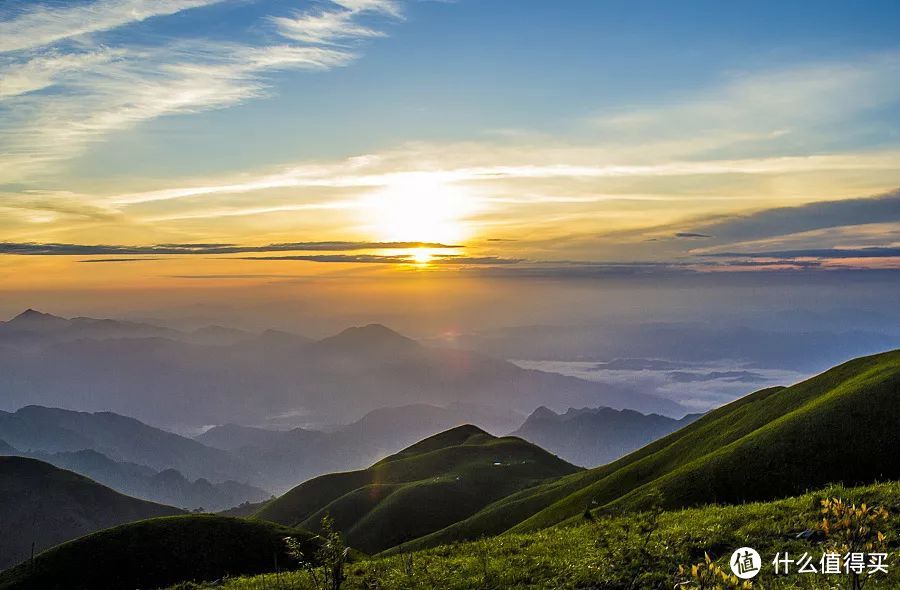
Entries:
{"x":326,"y":569}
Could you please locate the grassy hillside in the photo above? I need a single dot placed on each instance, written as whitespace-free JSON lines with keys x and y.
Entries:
{"x":612,"y":552}
{"x":840,"y":426}
{"x":158,"y":552}
{"x":47,"y":506}
{"x":424,"y":488}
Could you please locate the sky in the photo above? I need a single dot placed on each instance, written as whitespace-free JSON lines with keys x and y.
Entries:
{"x":468,"y":161}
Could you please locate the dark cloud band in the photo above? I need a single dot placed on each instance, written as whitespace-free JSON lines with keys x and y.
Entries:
{"x":57,"y":249}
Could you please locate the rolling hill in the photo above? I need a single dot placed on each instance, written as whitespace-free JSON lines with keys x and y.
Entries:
{"x":840,"y":426}
{"x":159,"y":552}
{"x":613,"y":553}
{"x":595,"y":436}
{"x":46,"y":506}
{"x":424,"y":488}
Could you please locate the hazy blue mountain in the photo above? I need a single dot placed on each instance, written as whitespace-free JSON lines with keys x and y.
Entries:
{"x":595,"y":436}
{"x":169,"y":380}
{"x":33,"y":327}
{"x":289,"y":457}
{"x":120,"y":438}
{"x":231,"y":437}
{"x":166,"y":487}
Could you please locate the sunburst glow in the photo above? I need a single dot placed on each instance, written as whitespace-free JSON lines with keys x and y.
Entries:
{"x":418,"y":207}
{"x":422,"y":256}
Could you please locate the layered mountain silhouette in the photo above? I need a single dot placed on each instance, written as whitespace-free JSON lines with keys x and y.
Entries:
{"x":177,"y":380}
{"x":166,"y":487}
{"x":421,"y":489}
{"x":594,"y":436}
{"x":120,"y":438}
{"x":42,"y":506}
{"x":227,"y":465}
{"x":837,"y":427}
{"x":32,"y":327}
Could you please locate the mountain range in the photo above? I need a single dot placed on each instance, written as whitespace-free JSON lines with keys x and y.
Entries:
{"x":166,"y":487}
{"x":227,"y":465}
{"x":180,"y":381}
{"x":462,"y":484}
{"x":120,"y":438}
{"x":231,"y":464}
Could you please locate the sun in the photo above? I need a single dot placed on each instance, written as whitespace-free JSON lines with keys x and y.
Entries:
{"x":418,"y":207}
{"x":422,"y":256}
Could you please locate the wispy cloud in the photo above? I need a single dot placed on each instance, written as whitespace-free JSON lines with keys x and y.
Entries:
{"x":38,"y":25}
{"x":46,"y":70}
{"x":98,"y":89}
{"x":783,"y":108}
{"x":375,"y":170}
{"x":337,"y":25}
{"x":113,"y":91}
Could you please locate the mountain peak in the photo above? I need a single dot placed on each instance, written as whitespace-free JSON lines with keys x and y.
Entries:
{"x":371,"y":336}
{"x":372,"y":331}
{"x":543,"y":413}
{"x":32,"y":319}
{"x":33,"y":314}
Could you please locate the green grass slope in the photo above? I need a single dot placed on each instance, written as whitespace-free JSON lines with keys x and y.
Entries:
{"x":46,"y":506}
{"x":840,"y":426}
{"x":159,"y":552}
{"x":424,"y":488}
{"x":601,"y":554}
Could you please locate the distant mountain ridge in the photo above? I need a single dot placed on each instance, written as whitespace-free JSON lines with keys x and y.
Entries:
{"x":36,"y":327}
{"x":227,"y":465}
{"x":46,"y":506}
{"x":168,"y":487}
{"x":183,"y":381}
{"x":32,"y":326}
{"x":595,"y":436}
{"x":122,"y":439}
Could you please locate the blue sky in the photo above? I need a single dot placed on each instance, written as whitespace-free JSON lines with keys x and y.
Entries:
{"x":453,"y":70}
{"x":682,"y":137}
